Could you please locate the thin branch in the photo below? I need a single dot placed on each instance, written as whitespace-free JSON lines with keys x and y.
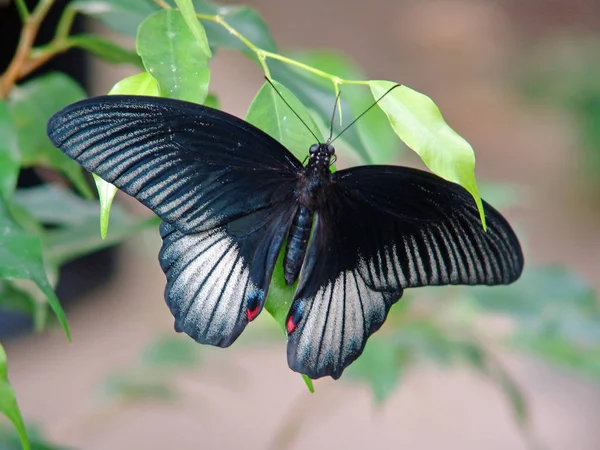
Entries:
{"x":22,"y":9}
{"x":26,"y":41}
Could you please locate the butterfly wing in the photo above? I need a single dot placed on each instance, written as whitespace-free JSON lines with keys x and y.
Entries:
{"x":194,"y":166}
{"x":383,"y":229}
{"x":223,"y":188}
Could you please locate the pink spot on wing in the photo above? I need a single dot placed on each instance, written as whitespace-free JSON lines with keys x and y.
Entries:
{"x":252,"y":313}
{"x":290,"y":325}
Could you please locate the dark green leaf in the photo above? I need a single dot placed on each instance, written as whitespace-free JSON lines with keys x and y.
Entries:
{"x":66,"y":244}
{"x":9,"y":440}
{"x":123,"y":16}
{"x":31,"y":105}
{"x":107,"y":50}
{"x":373,"y":129}
{"x":21,"y":259}
{"x":8,"y":402}
{"x":24,"y":297}
{"x":174,"y":56}
{"x":381,"y":367}
{"x":9,"y":152}
{"x":419,"y":123}
{"x":319,"y":98}
{"x":269,"y":113}
{"x":56,"y":205}
{"x":245,"y":20}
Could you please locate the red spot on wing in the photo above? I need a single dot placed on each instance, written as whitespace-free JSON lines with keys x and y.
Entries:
{"x":290,"y":325}
{"x":252,"y":313}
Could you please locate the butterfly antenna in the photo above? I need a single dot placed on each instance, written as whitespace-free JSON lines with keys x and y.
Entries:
{"x":366,"y":111}
{"x":337,"y":99}
{"x":292,"y":109}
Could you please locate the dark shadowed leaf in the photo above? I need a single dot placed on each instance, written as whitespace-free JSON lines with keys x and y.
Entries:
{"x":21,"y":259}
{"x":245,"y":20}
{"x":9,"y":152}
{"x":106,"y":50}
{"x":123,"y":16}
{"x":31,"y":105}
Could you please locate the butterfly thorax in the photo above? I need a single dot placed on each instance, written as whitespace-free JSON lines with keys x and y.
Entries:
{"x":309,"y":193}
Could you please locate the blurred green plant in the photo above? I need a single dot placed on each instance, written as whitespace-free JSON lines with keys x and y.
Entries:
{"x":564,"y":71}
{"x":553,"y":314}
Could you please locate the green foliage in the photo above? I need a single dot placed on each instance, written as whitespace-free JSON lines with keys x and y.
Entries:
{"x":565,"y":72}
{"x":174,"y":55}
{"x":555,"y":315}
{"x":8,"y":402}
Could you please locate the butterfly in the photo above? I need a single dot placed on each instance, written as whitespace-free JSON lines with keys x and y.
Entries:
{"x":230,"y":196}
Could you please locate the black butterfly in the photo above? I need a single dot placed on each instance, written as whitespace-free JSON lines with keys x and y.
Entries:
{"x":229,"y":195}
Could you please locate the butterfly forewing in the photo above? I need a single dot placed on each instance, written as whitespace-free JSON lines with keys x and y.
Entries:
{"x":383,"y":229}
{"x":223,"y":188}
{"x":194,"y":166}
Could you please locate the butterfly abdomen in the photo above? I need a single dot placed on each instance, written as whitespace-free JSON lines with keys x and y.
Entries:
{"x":297,"y":242}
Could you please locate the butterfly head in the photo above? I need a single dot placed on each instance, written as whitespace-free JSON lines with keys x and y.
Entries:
{"x":321,"y":155}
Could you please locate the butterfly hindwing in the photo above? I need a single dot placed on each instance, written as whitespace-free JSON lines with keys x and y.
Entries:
{"x":217,"y":280}
{"x":380,"y":230}
{"x":194,"y":166}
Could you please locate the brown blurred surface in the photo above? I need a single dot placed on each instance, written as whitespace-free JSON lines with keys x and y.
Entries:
{"x":460,"y":52}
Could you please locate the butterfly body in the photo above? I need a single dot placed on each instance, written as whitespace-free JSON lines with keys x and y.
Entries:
{"x":229,"y":196}
{"x":310,"y":193}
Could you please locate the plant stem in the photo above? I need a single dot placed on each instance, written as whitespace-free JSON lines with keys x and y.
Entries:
{"x":263,"y":55}
{"x":22,"y":9}
{"x":26,"y":41}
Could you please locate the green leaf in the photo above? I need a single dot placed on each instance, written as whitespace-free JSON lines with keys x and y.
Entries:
{"x":269,"y":113}
{"x":174,"y":56}
{"x":212,"y":101}
{"x":122,"y":16}
{"x":9,"y":152}
{"x":8,"y":401}
{"x":139,"y":84}
{"x":9,"y":440}
{"x":189,"y":15}
{"x":21,"y":258}
{"x":53,"y":204}
{"x":67,"y":244}
{"x":106,"y":192}
{"x":373,"y":129}
{"x":245,"y":20}
{"x":380,"y":367}
{"x":320,"y":98}
{"x":107,"y":50}
{"x":419,"y":123}
{"x":31,"y":105}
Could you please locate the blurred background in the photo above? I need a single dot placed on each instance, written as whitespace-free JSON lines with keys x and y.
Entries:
{"x":520,"y":80}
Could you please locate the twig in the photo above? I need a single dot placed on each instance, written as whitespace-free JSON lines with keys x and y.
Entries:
{"x":26,"y":41}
